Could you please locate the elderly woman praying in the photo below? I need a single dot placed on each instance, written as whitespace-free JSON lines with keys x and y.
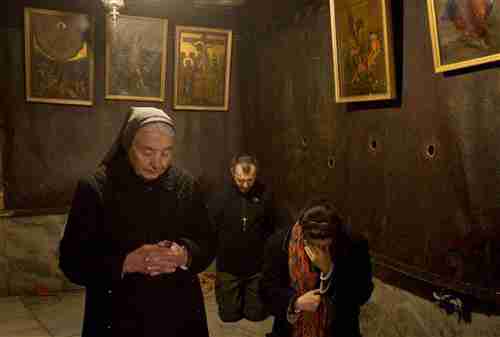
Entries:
{"x":137,"y":235}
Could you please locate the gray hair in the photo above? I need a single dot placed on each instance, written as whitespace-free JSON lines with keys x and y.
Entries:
{"x":246,"y":161}
{"x":166,"y":128}
{"x":138,"y":118}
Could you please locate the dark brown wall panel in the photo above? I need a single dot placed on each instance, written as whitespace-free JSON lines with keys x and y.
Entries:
{"x":419,"y":176}
{"x":50,"y":146}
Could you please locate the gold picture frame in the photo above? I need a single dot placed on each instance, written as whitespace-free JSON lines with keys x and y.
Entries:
{"x":59,"y":57}
{"x":202,"y":68}
{"x":136,"y":58}
{"x":459,"y":43}
{"x":362,"y":48}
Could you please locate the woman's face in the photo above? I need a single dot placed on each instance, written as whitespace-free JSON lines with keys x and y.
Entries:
{"x":151,"y":152}
{"x":319,"y":252}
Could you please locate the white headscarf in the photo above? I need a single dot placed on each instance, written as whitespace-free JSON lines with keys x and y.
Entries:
{"x":137,"y":118}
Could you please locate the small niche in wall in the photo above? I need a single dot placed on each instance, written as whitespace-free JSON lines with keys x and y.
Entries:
{"x":331,"y":162}
{"x":430,"y":151}
{"x":374,"y":146}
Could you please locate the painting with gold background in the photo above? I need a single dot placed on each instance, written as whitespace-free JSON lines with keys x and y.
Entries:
{"x":362,"y":50}
{"x":202,"y":68}
{"x":59,"y":57}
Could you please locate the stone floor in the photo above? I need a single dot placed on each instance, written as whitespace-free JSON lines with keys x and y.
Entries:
{"x":391,"y":312}
{"x":61,"y":316}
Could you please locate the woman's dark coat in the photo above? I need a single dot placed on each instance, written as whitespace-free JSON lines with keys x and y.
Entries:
{"x":352,"y":284}
{"x":113,"y":213}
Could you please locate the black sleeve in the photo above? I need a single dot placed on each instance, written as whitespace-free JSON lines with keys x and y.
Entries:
{"x":359,"y":281}
{"x":214,"y":206}
{"x":275,"y":289}
{"x":281,"y":219}
{"x":200,"y":234}
{"x":364,"y":273}
{"x":215,"y":213}
{"x":85,"y":257}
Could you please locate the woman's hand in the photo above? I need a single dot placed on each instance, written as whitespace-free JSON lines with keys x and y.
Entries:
{"x":319,"y":253}
{"x":309,"y":301}
{"x":135,"y":261}
{"x":166,"y":258}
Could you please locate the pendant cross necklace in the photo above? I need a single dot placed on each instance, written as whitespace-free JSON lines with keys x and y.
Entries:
{"x":244,"y":219}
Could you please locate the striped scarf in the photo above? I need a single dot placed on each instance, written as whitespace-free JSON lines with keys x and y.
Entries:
{"x":303,"y":279}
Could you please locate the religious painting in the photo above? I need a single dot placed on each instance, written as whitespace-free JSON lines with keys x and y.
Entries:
{"x":136,"y":58}
{"x":362,"y":50}
{"x":59,"y":57}
{"x":202,"y":68}
{"x":464,"y":33}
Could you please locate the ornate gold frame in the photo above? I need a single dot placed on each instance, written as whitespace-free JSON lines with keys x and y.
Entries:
{"x":228,"y":47}
{"x":163,"y":68}
{"x":439,"y":66}
{"x":338,"y":50}
{"x":28,"y":59}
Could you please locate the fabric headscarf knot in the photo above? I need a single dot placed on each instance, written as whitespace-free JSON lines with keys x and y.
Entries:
{"x":137,"y":118}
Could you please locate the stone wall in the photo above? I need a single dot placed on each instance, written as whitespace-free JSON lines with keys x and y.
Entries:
{"x":28,"y":255}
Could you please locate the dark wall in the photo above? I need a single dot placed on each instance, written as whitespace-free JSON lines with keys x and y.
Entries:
{"x":49,"y":146}
{"x":4,"y":87}
{"x":419,"y":176}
